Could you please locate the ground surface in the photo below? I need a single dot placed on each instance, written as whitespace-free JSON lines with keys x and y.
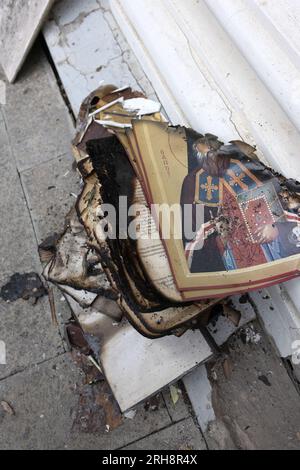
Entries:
{"x":255,"y":403}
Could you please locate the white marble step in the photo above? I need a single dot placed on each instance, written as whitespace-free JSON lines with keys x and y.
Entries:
{"x":264,"y":46}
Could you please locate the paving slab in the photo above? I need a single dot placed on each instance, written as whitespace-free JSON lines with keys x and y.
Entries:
{"x":18,"y":245}
{"x":28,"y":334}
{"x":145,"y":422}
{"x":45,"y":398}
{"x":38,"y":122}
{"x":50,"y":189}
{"x":255,"y":403}
{"x":180,"y":436}
{"x":42,"y":397}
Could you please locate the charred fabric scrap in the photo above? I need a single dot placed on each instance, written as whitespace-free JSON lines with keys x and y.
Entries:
{"x":250,"y":219}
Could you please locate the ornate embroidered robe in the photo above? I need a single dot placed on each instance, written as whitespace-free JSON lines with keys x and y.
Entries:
{"x":248,"y":204}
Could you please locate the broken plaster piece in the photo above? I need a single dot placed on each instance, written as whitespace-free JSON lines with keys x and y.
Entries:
{"x":142,"y":106}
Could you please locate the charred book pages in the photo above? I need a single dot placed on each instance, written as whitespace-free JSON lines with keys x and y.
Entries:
{"x":169,"y":222}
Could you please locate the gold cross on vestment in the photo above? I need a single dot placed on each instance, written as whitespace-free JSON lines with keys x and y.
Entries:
{"x":237,"y":179}
{"x":209,"y":187}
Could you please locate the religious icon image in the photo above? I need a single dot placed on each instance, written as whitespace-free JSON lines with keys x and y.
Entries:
{"x":247,"y":218}
{"x":239,"y":220}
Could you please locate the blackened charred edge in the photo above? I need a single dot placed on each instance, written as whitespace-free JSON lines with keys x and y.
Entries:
{"x":104,"y":154}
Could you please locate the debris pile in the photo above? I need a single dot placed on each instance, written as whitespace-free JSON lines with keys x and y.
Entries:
{"x":114,"y":259}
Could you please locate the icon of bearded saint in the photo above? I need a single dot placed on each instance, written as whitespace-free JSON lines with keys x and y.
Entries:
{"x":245,"y":220}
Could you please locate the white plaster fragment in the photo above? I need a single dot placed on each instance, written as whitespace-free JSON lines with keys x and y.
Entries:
{"x":142,"y":106}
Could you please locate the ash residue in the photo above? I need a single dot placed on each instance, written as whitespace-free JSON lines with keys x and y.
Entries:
{"x":23,"y":286}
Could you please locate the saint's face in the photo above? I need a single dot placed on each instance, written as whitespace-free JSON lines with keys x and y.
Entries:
{"x":202,"y":148}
